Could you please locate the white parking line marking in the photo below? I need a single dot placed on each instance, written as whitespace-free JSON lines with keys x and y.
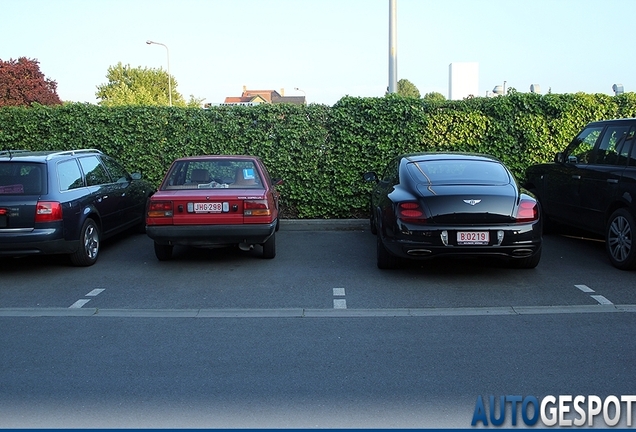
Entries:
{"x":95,"y":292}
{"x":584,"y":288}
{"x":78,"y":304}
{"x":602,"y":300}
{"x":338,"y":291}
{"x":339,"y":304}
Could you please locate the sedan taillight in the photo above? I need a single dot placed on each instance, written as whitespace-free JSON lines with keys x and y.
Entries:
{"x":527,"y":211}
{"x":256,"y":208}
{"x":158,"y":209}
{"x":411,"y":212}
{"x":48,"y":211}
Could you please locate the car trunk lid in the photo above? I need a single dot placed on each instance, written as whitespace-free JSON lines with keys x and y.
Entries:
{"x":475,"y":204}
{"x":216,"y":206}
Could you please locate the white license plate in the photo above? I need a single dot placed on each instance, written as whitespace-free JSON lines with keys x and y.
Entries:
{"x":208,"y":207}
{"x":473,"y":237}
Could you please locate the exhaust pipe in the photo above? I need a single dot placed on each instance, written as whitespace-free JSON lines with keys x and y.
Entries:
{"x":418,"y":252}
{"x":522,"y":252}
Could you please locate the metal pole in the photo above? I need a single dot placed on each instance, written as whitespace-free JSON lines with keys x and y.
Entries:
{"x":392,"y":46}
{"x":169,"y":77}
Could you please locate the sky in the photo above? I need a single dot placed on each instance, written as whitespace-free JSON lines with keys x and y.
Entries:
{"x":327,"y":49}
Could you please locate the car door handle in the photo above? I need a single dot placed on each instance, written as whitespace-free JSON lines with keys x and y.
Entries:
{"x":612,"y":181}
{"x":576,"y":177}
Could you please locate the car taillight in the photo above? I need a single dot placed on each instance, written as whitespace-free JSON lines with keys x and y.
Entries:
{"x":528,"y":211}
{"x":160,"y":209}
{"x":411,"y":212}
{"x":256,"y":208}
{"x":48,"y":211}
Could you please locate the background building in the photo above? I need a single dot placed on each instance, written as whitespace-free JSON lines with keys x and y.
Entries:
{"x":463,"y":80}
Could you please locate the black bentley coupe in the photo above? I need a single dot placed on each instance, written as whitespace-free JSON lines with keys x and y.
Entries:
{"x":428,"y":205}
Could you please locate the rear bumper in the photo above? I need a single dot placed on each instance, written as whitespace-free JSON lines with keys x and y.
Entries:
{"x":519,"y":241}
{"x":20,"y":242}
{"x":210,"y":235}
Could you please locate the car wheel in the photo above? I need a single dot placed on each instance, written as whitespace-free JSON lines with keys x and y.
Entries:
{"x":385,"y":260}
{"x":619,"y":240}
{"x":88,"y":250}
{"x":374,"y":229}
{"x":163,"y":252}
{"x":528,"y":262}
{"x":269,"y":247}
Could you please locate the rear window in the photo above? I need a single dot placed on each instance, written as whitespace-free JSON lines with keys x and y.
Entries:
{"x":450,"y":172}
{"x":209,"y":174}
{"x":22,"y":178}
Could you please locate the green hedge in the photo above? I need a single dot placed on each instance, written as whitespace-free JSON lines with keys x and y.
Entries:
{"x":319,"y":151}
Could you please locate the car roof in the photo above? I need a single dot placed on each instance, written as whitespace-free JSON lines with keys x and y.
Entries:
{"x":214,"y":157}
{"x":608,"y":121}
{"x":432,"y":156}
{"x":42,"y":156}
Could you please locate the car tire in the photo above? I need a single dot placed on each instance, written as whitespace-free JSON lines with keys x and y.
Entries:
{"x":619,"y":240}
{"x":86,"y":254}
{"x":163,"y":252}
{"x":385,"y":260}
{"x":528,"y":262}
{"x":269,"y":247}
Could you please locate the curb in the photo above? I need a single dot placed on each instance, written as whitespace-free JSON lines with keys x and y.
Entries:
{"x":324,"y":224}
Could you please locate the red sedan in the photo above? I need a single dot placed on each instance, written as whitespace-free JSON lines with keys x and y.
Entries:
{"x":212,"y":201}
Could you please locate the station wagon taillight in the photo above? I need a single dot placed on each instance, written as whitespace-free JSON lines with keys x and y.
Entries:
{"x":48,"y":211}
{"x":256,"y":208}
{"x":411,"y":212}
{"x":528,"y":211}
{"x":160,"y":209}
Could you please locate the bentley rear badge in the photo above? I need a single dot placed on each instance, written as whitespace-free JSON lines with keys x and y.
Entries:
{"x":472,"y":201}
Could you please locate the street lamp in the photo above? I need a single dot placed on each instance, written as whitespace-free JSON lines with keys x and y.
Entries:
{"x":149,"y":42}
{"x":301,"y":90}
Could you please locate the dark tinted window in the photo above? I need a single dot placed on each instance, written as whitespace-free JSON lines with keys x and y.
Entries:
{"x":632,"y":158}
{"x":69,"y":175}
{"x":22,"y":178}
{"x":116,"y":171}
{"x":442,"y":172}
{"x":581,"y":150}
{"x":611,"y":145}
{"x":94,"y":171}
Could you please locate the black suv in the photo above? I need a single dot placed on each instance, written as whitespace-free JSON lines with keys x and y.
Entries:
{"x":591,"y":185}
{"x":65,"y":202}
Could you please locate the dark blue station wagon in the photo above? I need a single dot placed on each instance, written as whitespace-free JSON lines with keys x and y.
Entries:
{"x":66,"y":202}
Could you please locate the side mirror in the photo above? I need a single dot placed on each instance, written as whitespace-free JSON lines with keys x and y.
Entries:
{"x":558,"y":158}
{"x":370,"y":176}
{"x":136,"y":176}
{"x":277,"y":182}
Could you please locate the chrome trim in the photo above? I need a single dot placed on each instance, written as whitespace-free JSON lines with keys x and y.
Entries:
{"x":16,"y":230}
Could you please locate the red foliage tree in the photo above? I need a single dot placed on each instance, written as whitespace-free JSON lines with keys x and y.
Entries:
{"x":22,"y":83}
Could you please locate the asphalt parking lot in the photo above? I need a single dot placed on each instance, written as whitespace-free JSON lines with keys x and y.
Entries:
{"x":317,"y":337}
